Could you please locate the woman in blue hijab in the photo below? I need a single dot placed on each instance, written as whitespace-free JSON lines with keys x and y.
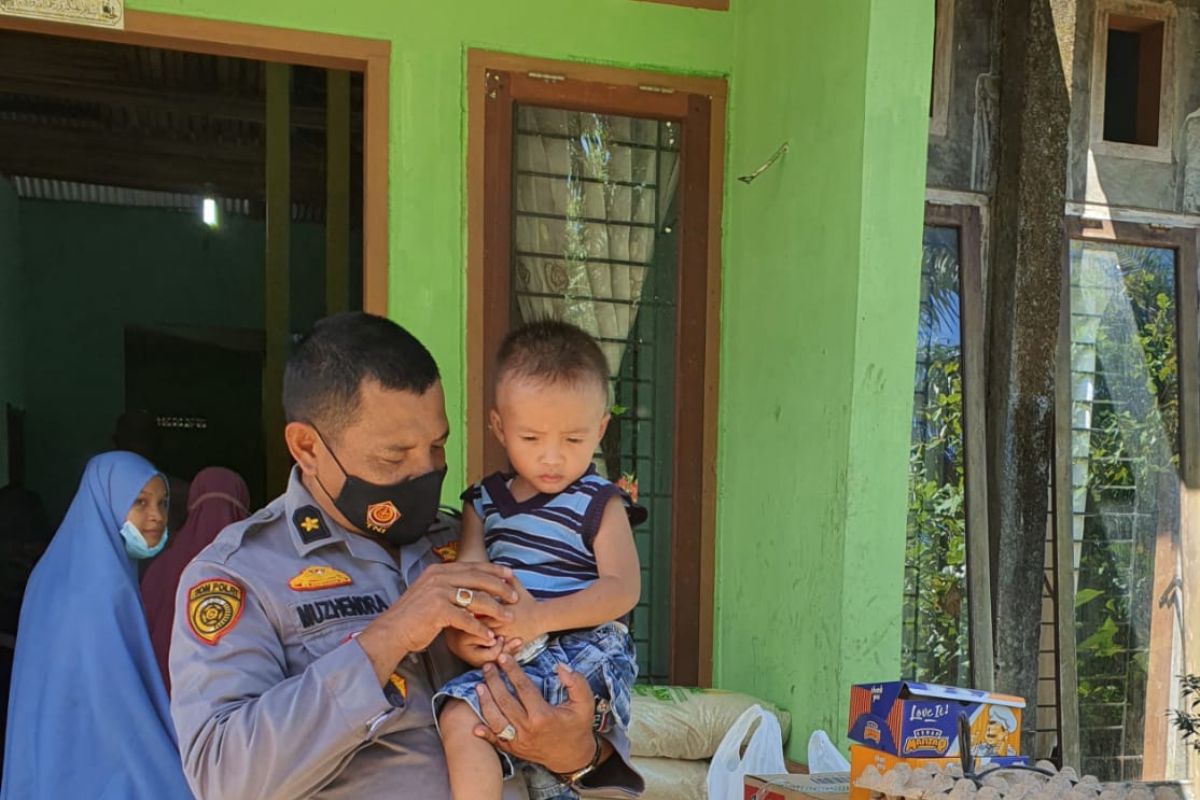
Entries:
{"x":88,"y":715}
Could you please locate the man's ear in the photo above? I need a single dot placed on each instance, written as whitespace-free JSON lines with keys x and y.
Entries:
{"x":604,"y":425}
{"x":302,"y":441}
{"x":497,"y":425}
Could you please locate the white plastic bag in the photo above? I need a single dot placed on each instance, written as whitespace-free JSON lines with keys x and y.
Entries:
{"x":763,"y":756}
{"x":823,"y":756}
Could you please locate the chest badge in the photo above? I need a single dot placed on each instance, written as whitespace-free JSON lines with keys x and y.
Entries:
{"x":311,"y":579}
{"x":381,"y":516}
{"x":447,"y":552}
{"x":214,"y":606}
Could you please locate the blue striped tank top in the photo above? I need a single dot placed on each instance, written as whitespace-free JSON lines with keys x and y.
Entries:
{"x":547,"y":539}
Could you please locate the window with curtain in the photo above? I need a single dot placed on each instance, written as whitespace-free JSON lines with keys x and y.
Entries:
{"x":594,"y":215}
{"x":592,"y":194}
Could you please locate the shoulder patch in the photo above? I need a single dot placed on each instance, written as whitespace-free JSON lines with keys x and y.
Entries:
{"x":213,"y":608}
{"x":310,"y":524}
{"x":311,"y":579}
{"x":447,"y":552}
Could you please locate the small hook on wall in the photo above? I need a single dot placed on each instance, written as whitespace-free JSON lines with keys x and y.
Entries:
{"x":770,"y":162}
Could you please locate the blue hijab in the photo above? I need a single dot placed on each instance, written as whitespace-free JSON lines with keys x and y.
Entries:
{"x":88,"y":715}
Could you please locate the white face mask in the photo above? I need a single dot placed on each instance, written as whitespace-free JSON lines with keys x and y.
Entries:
{"x":135,"y":543}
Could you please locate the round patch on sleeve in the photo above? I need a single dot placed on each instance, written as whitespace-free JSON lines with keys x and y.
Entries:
{"x":213,"y":608}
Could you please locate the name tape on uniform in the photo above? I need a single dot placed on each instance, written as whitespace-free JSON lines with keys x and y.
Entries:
{"x":359,"y":605}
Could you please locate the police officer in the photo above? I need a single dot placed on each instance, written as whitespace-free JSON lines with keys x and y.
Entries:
{"x":310,"y":638}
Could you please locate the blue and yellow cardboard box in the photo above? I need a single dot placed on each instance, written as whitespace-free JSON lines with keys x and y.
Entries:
{"x":920,"y":720}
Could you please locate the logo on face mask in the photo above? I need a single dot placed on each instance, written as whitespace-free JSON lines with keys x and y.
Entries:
{"x":381,"y":516}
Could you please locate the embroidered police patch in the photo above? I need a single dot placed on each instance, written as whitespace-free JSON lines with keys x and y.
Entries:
{"x":310,"y":524}
{"x":214,"y":606}
{"x":447,"y":552}
{"x":311,"y":579}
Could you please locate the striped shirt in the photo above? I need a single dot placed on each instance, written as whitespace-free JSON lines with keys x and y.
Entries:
{"x":547,"y":539}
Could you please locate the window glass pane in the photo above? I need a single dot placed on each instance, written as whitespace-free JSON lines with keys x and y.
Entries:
{"x":935,"y":643}
{"x":1125,"y":500}
{"x":594,"y":232}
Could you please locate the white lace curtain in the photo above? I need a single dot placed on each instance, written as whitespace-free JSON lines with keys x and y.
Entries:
{"x":591,"y":193}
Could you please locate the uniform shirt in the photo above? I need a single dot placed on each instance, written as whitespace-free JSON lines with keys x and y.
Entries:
{"x":273,"y":698}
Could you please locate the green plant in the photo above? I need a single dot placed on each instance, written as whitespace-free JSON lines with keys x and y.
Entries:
{"x":1187,"y":719}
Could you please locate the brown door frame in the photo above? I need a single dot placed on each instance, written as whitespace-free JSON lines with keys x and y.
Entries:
{"x":494,"y":83}
{"x":1184,"y":242}
{"x":371,"y":57}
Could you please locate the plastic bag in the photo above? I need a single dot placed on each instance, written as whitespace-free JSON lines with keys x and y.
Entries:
{"x":823,"y":756}
{"x":763,"y":754}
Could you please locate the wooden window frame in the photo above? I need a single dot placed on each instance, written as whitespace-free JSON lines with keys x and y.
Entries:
{"x":968,"y":220}
{"x":496,"y":82}
{"x":943,"y":68}
{"x":1183,"y":240}
{"x":371,"y":57}
{"x":1158,"y":12}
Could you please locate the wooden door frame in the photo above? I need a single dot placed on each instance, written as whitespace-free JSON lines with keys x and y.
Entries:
{"x":629,"y":92}
{"x":371,"y":57}
{"x":1183,"y":240}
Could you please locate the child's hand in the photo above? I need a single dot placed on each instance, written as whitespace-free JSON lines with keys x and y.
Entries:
{"x":526,"y":624}
{"x":475,"y":650}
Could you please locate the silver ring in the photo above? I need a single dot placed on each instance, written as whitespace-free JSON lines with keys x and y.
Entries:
{"x":463,"y":598}
{"x":508,"y":734}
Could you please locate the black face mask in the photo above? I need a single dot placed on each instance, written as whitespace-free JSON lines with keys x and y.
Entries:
{"x":399,"y":512}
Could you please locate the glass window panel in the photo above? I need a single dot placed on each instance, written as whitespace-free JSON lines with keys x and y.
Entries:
{"x":594,"y":233}
{"x":1125,"y":468}
{"x":936,"y":644}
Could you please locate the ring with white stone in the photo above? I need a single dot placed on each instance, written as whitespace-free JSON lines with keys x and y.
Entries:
{"x":463,"y":597}
{"x":508,"y":734}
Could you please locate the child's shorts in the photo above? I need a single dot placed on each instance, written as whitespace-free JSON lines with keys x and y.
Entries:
{"x":604,"y":656}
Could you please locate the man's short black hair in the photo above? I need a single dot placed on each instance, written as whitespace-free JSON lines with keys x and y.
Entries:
{"x":552,"y":351}
{"x":325,"y":372}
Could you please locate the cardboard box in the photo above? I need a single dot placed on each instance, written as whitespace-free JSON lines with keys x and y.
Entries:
{"x":861,"y":757}
{"x":920,"y":720}
{"x":826,"y":786}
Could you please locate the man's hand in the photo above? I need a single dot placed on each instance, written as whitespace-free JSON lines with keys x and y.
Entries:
{"x":427,"y":608}
{"x":557,"y":737}
{"x":475,"y":651}
{"x":526,"y":621}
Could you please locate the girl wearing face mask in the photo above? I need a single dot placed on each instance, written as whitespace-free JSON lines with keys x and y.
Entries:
{"x":88,"y":713}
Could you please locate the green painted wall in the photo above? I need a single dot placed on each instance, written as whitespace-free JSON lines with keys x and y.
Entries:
{"x":11,"y":330}
{"x":821,"y":266}
{"x":90,"y":270}
{"x":818,"y":341}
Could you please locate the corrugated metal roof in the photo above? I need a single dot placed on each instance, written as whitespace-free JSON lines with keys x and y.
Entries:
{"x":72,"y":192}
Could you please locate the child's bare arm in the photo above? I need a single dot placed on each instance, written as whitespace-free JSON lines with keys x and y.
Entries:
{"x":614,"y":593}
{"x":470,"y":538}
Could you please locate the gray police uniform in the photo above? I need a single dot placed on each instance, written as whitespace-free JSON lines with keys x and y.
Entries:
{"x":273,"y":698}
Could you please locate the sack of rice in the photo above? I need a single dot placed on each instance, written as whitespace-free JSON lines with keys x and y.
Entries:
{"x":672,"y":778}
{"x":688,"y":723}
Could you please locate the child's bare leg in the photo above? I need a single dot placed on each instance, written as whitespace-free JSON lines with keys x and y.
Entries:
{"x":473,"y":763}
